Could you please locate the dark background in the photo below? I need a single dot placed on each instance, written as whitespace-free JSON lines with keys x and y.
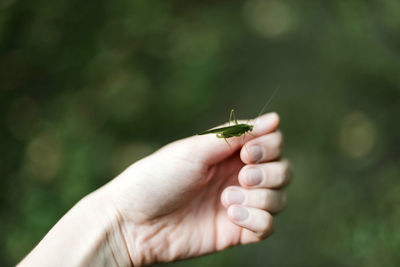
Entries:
{"x":88,"y":87}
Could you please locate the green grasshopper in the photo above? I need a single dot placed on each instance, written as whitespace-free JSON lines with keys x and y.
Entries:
{"x":231,"y":131}
{"x":237,"y":129}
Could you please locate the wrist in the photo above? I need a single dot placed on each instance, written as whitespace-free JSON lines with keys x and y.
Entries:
{"x":87,"y":235}
{"x":111,"y":249}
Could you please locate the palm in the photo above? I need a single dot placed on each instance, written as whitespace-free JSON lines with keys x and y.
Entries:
{"x":199,"y":212}
{"x":204,"y":218}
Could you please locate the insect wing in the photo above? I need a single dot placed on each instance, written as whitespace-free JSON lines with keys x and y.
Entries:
{"x":231,"y":130}
{"x":216,"y":130}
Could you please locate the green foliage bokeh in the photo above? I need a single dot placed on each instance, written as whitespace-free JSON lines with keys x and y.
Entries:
{"x":88,"y":87}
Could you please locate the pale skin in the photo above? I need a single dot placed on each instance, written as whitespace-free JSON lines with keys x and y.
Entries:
{"x":192,"y":197}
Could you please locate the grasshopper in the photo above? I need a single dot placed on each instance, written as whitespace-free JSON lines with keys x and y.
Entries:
{"x":237,"y":129}
{"x":231,"y":131}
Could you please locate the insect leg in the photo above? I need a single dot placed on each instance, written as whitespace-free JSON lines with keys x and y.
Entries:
{"x":251,"y":134}
{"x":227,"y":143}
{"x":248,"y":122}
{"x":230,"y":117}
{"x":244,"y":144}
{"x":234,"y":117}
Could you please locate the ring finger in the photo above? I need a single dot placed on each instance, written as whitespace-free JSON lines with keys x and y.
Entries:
{"x":270,"y":200}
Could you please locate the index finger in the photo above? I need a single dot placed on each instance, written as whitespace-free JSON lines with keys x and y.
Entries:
{"x":210,"y":150}
{"x":262,"y":125}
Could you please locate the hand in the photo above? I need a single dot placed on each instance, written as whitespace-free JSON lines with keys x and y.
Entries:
{"x":192,"y":197}
{"x":197,"y":196}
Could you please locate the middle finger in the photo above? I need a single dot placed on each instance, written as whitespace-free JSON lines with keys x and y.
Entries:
{"x":262,"y":149}
{"x":265,"y":175}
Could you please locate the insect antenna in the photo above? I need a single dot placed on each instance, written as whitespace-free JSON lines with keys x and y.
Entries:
{"x":269,"y":100}
{"x":266,"y":105}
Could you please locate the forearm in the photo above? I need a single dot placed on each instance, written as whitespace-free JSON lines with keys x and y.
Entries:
{"x":88,"y":235}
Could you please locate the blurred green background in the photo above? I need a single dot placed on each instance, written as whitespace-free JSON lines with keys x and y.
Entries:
{"x":88,"y":87}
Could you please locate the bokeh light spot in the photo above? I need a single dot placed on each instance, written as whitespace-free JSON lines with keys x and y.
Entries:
{"x":194,"y":47}
{"x":6,"y":3}
{"x":357,"y":135}
{"x":270,"y":18}
{"x":43,"y":157}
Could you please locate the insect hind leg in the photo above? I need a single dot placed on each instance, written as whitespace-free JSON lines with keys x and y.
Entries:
{"x":251,"y":134}
{"x":225,"y":136}
{"x":234,"y":117}
{"x":244,"y":144}
{"x":228,"y":143}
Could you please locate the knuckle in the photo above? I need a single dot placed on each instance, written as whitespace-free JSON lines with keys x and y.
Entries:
{"x":276,"y":143}
{"x":282,"y":136}
{"x":280,"y":141}
{"x":281,"y":179}
{"x":284,"y":200}
{"x":283,"y":174}
{"x":262,"y":199}
{"x":268,"y":226}
{"x":279,"y":136}
{"x":287,"y":172}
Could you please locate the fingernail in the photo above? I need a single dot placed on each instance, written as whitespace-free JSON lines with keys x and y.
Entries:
{"x":254,"y":176}
{"x":239,"y":213}
{"x":235,"y":197}
{"x":256,"y":153}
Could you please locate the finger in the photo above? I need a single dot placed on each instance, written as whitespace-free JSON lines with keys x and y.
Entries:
{"x":248,"y":237}
{"x":273,"y":201}
{"x":258,"y":221}
{"x":266,"y":175}
{"x":210,"y":149}
{"x":262,"y":149}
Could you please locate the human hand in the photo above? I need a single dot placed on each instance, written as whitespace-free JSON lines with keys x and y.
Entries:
{"x":197,"y":196}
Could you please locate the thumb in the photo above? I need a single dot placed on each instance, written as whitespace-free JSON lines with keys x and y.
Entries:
{"x":210,"y":150}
